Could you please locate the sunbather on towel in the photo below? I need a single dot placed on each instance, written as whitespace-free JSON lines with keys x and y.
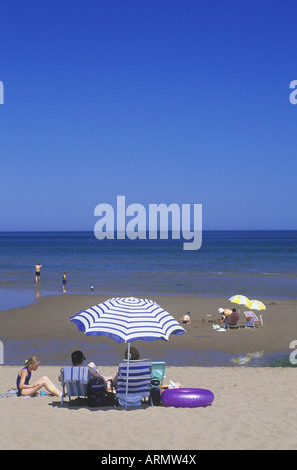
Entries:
{"x":24,"y":376}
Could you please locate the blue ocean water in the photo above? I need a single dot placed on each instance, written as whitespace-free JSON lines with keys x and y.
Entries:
{"x":258,"y":264}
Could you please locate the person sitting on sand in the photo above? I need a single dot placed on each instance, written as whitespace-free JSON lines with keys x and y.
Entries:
{"x":224,"y":313}
{"x":24,"y":376}
{"x":78,"y":359}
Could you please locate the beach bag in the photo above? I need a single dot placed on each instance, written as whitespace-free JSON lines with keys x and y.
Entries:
{"x":156,"y":391}
{"x":96,"y":392}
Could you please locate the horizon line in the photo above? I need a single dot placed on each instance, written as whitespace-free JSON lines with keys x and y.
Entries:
{"x":158,"y":231}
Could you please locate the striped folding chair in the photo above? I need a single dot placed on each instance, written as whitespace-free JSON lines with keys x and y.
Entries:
{"x":139,"y":375}
{"x":75,"y":381}
{"x":253,"y":318}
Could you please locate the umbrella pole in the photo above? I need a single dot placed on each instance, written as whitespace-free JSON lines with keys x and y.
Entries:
{"x":127,"y":377}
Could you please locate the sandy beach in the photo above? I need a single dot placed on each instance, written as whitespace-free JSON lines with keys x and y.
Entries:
{"x":254,"y":408}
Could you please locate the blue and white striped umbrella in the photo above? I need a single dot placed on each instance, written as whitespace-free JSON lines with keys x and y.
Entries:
{"x":128,"y":319}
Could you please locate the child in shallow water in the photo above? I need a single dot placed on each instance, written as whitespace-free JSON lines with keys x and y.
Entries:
{"x":24,"y":376}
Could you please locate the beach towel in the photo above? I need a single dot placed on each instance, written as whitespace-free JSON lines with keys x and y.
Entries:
{"x":12,"y":392}
{"x":218,"y":328}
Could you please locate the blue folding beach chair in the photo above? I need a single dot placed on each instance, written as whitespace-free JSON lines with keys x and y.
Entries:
{"x":139,"y":376}
{"x":75,"y":380}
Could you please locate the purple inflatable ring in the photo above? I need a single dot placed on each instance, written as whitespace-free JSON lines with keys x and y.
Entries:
{"x":187,"y":397}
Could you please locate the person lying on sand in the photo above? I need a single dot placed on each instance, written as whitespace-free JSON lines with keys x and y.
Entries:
{"x":24,"y":376}
{"x":186,"y":318}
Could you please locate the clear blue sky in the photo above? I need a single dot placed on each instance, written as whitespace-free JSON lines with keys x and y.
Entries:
{"x":160,"y":101}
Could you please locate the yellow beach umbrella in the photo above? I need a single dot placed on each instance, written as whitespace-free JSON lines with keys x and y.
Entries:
{"x":239,"y":299}
{"x":256,"y":305}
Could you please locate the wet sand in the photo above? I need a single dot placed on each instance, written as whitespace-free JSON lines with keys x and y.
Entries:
{"x":48,"y":321}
